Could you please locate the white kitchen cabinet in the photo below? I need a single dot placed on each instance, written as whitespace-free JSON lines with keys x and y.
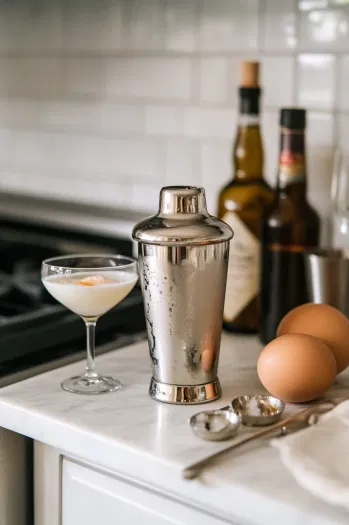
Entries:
{"x":14,"y":486}
{"x":90,"y":497}
{"x":70,"y":493}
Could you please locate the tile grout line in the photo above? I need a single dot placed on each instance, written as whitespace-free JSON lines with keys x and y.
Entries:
{"x":296,"y":53}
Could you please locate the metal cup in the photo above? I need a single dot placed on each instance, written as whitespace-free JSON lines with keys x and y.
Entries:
{"x":327,"y":273}
{"x":183,"y":258}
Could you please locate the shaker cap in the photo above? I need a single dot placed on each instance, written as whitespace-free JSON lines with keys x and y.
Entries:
{"x":182,"y":220}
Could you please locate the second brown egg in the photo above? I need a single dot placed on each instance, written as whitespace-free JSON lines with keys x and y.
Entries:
{"x":323,"y":322}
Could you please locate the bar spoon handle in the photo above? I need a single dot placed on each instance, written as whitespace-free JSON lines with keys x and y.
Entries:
{"x":194,"y":469}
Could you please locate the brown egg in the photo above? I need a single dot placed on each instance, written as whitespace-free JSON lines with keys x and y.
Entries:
{"x":324,"y":322}
{"x":296,"y":368}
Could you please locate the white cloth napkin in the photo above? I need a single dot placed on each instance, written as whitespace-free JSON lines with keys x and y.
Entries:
{"x":318,"y":456}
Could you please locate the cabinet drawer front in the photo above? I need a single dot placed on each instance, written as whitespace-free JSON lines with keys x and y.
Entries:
{"x":90,"y":497}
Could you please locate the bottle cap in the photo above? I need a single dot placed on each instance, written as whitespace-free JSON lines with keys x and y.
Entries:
{"x":249,"y":74}
{"x":293,"y":118}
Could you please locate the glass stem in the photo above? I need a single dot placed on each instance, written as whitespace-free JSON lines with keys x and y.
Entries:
{"x":90,"y":363}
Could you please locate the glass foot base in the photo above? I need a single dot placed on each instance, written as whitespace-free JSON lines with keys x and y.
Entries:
{"x":91,"y":385}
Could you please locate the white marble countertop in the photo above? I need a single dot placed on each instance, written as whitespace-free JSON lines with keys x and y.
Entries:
{"x":129,"y":433}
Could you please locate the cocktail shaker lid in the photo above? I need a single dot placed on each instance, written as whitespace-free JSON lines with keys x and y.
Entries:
{"x":182,"y":220}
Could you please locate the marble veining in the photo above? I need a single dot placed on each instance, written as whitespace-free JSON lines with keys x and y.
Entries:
{"x":129,"y":433}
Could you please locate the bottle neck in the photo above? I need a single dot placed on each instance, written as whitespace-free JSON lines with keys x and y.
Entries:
{"x":292,"y":164}
{"x":245,"y":120}
{"x":249,"y":98}
{"x":248,"y":148}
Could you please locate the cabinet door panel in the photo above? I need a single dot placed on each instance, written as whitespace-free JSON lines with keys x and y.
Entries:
{"x":92,"y":498}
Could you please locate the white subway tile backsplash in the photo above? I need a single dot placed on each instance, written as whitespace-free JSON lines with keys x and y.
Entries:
{"x":181,"y":163}
{"x":149,"y":78}
{"x":146,"y":25}
{"x":31,"y":77}
{"x":182,"y":28}
{"x":129,"y":158}
{"x":93,"y":26}
{"x":21,"y":112}
{"x":163,"y":120}
{"x":98,"y":192}
{"x":320,"y":154}
{"x":213,"y":123}
{"x":324,"y":29}
{"x":270,"y":135}
{"x":83,"y":77}
{"x":316,"y":74}
{"x":121,"y":118}
{"x":277,"y":81}
{"x":279,"y":25}
{"x":7,"y":24}
{"x":213,"y":80}
{"x":5,"y":148}
{"x":343,"y":133}
{"x":47,"y":25}
{"x":320,"y":128}
{"x":108,"y":101}
{"x":229,"y":26}
{"x":31,"y":150}
{"x":216,"y":163}
{"x":343,"y":84}
{"x":320,"y":136}
{"x":212,"y":192}
{"x":3,"y":117}
{"x":115,"y":28}
{"x":78,"y":155}
{"x":319,"y":178}
{"x":69,"y":116}
{"x":145,"y":197}
{"x":4,"y":68}
{"x":29,"y":27}
{"x":112,"y":194}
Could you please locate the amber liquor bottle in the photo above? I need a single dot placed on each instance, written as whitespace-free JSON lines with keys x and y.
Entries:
{"x":242,"y":203}
{"x":291,"y":225}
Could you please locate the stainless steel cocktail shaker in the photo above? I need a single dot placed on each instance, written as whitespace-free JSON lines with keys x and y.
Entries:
{"x":183,"y":258}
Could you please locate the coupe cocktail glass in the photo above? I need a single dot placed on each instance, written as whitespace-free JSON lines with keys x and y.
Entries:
{"x":90,"y":285}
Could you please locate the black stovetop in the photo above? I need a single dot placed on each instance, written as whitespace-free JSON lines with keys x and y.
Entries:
{"x":34,"y":328}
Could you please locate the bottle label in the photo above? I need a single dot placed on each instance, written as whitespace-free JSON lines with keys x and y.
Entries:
{"x":243,"y":280}
{"x":290,"y":248}
{"x":292,"y":159}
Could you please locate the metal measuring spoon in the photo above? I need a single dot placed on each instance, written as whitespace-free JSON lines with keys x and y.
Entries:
{"x":215,"y":425}
{"x":258,"y":410}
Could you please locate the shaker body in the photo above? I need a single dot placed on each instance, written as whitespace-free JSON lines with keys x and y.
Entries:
{"x":184,"y":289}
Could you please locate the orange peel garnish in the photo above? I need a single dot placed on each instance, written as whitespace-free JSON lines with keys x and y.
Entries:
{"x":92,"y":280}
